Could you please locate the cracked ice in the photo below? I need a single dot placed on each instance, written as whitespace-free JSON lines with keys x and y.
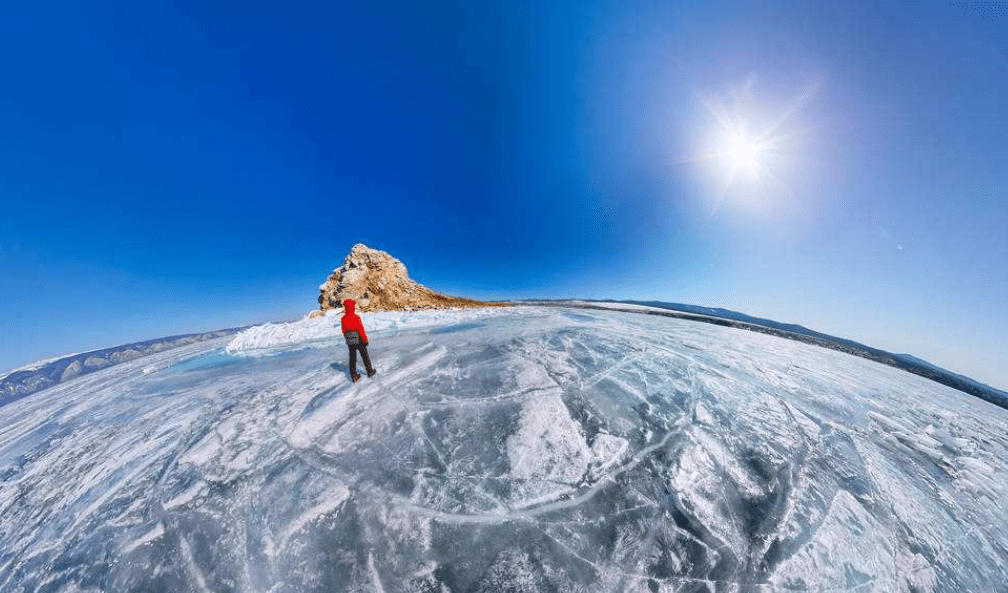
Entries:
{"x":519,"y":449}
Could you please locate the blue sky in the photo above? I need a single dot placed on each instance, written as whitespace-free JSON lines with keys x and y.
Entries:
{"x":175,"y":167}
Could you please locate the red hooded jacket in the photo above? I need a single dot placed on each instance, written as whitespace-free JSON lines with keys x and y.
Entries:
{"x":352,"y":321}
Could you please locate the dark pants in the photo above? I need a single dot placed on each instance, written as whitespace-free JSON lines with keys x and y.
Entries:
{"x":353,"y":357}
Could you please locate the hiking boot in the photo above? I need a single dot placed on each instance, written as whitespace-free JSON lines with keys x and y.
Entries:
{"x":371,"y":372}
{"x":354,"y":377}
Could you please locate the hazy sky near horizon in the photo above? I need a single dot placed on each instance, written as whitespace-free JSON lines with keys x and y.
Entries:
{"x":169,"y":167}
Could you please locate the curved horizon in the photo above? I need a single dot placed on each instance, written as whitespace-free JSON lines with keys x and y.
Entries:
{"x":176,"y":167}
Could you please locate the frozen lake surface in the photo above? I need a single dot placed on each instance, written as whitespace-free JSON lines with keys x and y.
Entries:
{"x":521,"y":449}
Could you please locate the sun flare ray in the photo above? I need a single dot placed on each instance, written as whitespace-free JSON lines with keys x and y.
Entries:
{"x":746,"y":152}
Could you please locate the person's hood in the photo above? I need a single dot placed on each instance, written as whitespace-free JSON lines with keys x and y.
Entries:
{"x":348,"y":306}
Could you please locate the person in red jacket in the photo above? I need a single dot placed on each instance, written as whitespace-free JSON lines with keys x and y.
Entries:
{"x":356,"y":339}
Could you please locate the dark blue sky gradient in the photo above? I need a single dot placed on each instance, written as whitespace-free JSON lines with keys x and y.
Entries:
{"x":174,"y":167}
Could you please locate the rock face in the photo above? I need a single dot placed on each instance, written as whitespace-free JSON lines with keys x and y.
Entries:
{"x":380,"y":282}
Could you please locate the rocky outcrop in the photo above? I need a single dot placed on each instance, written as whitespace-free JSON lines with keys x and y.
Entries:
{"x":380,"y":282}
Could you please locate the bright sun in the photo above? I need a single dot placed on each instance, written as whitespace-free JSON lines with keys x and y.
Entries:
{"x":743,"y":154}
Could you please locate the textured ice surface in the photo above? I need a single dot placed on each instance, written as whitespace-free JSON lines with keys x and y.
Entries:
{"x":522,"y":450}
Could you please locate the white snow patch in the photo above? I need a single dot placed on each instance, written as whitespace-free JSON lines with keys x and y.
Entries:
{"x":204,"y":451}
{"x":145,"y":539}
{"x":849,"y":541}
{"x":185,"y":497}
{"x":375,"y":577}
{"x":330,"y":502}
{"x":549,"y":449}
{"x":261,"y":339}
{"x":193,"y":568}
{"x":704,"y":416}
{"x":607,"y":451}
{"x":916,"y":574}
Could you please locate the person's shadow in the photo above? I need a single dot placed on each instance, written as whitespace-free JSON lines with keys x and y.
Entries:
{"x":343,"y":368}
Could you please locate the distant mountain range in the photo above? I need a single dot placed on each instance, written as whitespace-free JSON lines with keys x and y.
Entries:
{"x":43,"y":374}
{"x":726,"y":317}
